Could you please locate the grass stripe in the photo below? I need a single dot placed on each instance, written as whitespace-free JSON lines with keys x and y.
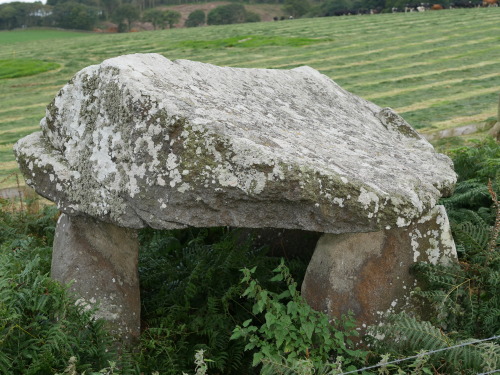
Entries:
{"x":20,"y":108}
{"x":8,"y":165}
{"x":437,"y":101}
{"x":465,"y":120}
{"x":406,"y":90}
{"x":394,"y":69}
{"x":439,"y":72}
{"x":22,"y":129}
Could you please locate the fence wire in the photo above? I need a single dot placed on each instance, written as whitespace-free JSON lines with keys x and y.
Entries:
{"x":427,"y":353}
{"x":490,"y":372}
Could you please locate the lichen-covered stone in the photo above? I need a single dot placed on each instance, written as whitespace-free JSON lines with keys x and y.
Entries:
{"x":369,"y":273}
{"x":143,"y":141}
{"x":99,"y":260}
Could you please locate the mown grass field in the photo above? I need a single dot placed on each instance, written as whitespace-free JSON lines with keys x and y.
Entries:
{"x":438,"y":69}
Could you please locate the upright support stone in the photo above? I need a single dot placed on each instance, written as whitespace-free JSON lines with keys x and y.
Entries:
{"x":368,"y":273}
{"x":100,"y":260}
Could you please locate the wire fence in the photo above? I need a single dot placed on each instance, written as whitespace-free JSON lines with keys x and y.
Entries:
{"x":490,"y":372}
{"x":424,"y":354}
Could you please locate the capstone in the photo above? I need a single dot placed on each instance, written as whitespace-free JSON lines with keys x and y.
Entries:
{"x":140,"y":140}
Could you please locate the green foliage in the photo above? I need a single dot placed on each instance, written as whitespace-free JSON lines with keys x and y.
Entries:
{"x":249,"y":41}
{"x":40,"y":324}
{"x":478,"y":162}
{"x":191,"y":298}
{"x":252,"y":17}
{"x":126,"y":12}
{"x":155,"y":16}
{"x":286,"y":333}
{"x":196,"y":18}
{"x":466,"y":296}
{"x":405,"y":335}
{"x":20,"y":14}
{"x":171,"y":17}
{"x":72,"y":15}
{"x":20,"y":68}
{"x":296,"y":8}
{"x":72,"y":369}
{"x":227,"y":14}
{"x":342,"y":7}
{"x":161,"y":17}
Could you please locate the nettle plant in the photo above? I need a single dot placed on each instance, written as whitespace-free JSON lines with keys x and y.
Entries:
{"x":287,"y":335}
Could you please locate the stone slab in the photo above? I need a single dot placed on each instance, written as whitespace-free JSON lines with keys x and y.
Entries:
{"x":140,"y":140}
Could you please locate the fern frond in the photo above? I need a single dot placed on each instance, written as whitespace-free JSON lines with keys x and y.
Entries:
{"x":468,"y":193}
{"x":416,"y":335}
{"x":473,"y":237}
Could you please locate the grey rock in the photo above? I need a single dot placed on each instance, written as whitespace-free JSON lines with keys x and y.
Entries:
{"x":143,"y":141}
{"x":369,"y":273}
{"x":99,"y":260}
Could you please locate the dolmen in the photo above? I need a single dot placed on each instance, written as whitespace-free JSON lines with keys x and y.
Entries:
{"x":141,"y":141}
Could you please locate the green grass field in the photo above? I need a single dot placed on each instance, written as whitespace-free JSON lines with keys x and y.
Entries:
{"x":438,"y":69}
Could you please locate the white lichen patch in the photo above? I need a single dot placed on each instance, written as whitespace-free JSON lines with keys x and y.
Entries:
{"x":415,"y":237}
{"x":434,"y":251}
{"x":339,"y":201}
{"x":367,"y":198}
{"x":402,"y":222}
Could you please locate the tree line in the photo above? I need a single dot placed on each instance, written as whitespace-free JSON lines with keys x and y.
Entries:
{"x":86,"y":14}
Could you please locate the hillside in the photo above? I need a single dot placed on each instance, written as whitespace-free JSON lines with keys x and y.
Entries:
{"x":265,"y":11}
{"x":438,"y":69}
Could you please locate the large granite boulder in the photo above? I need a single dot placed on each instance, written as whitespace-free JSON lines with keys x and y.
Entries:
{"x":140,"y":140}
{"x":143,"y":141}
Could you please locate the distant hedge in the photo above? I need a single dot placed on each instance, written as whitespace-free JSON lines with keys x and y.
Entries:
{"x":229,"y":14}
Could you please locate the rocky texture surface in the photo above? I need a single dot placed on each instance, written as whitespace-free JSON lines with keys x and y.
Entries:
{"x":100,"y":261}
{"x":143,"y":141}
{"x":369,"y":273}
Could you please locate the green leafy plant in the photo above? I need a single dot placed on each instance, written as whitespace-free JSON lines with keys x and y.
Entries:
{"x":191,"y":297}
{"x":404,"y":335}
{"x":41,"y":326}
{"x":196,"y":18}
{"x":286,"y":332}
